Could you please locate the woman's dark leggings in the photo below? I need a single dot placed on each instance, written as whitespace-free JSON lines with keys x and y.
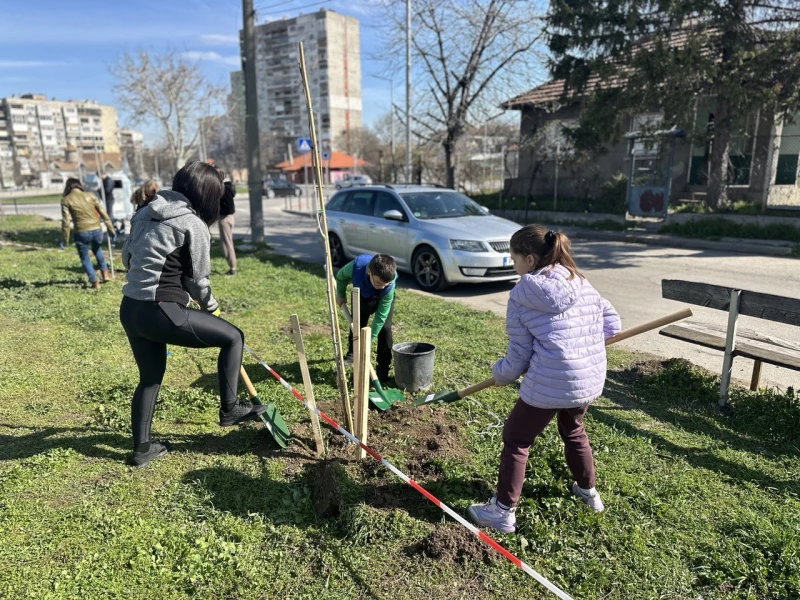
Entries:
{"x":150,"y":326}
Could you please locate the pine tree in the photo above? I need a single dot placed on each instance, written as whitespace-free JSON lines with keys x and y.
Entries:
{"x":665,"y":54}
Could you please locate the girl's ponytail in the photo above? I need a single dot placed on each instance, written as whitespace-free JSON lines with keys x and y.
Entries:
{"x":550,"y":247}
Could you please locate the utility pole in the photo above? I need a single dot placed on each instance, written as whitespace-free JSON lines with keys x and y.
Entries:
{"x":155,"y":162}
{"x":408,"y":89}
{"x":251,"y":123}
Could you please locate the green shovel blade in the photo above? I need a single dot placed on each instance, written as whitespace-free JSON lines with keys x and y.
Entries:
{"x":274,"y":423}
{"x":435,"y":398}
{"x":382,"y":399}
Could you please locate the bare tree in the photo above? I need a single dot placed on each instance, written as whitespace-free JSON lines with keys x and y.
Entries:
{"x":168,"y":89}
{"x":472,"y":52}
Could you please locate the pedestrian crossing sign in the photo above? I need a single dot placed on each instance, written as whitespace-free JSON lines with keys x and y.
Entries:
{"x":303,"y":145}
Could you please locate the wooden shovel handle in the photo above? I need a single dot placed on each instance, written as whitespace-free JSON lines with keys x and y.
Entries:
{"x":622,"y":335}
{"x":650,"y":325}
{"x":247,"y":383}
{"x":486,"y":383}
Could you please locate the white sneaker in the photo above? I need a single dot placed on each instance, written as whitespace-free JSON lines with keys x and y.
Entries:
{"x":492,"y":515}
{"x":590,"y":497}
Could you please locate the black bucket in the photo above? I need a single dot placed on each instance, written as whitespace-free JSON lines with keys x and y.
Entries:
{"x":413,"y":365}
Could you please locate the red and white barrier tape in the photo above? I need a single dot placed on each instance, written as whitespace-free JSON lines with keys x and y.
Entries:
{"x":472,"y":528}
{"x":31,"y":247}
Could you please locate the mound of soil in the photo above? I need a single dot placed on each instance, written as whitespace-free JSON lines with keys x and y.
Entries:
{"x":325,"y":483}
{"x":452,"y":543}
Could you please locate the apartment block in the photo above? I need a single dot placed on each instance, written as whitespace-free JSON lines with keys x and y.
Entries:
{"x":332,"y":49}
{"x":35,"y":130}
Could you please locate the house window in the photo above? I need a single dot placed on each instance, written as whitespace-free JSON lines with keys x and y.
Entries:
{"x":646,"y":122}
{"x":555,"y":138}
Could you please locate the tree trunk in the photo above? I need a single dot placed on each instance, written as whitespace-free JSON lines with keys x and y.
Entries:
{"x":450,"y":163}
{"x":718,"y":168}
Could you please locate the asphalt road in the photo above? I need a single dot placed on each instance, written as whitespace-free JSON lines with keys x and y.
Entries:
{"x":629,"y":275}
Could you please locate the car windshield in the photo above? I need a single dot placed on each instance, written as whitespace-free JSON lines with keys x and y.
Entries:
{"x":442,"y":205}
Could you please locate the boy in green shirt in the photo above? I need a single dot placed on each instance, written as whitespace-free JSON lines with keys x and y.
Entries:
{"x":375,"y":277}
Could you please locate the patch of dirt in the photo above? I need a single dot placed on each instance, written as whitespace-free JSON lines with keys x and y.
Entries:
{"x":454,"y":544}
{"x":637,"y":370}
{"x":308,"y":329}
{"x":422,"y":434}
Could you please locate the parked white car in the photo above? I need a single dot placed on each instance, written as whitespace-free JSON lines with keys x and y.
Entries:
{"x":438,"y":235}
{"x":350,"y":180}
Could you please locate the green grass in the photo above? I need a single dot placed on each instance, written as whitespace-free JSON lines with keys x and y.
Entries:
{"x":46,"y":199}
{"x":739,"y":207}
{"x":701,"y":503}
{"x":719,"y":228}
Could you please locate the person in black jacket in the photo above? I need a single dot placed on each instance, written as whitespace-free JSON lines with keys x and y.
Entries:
{"x":226,"y":222}
{"x":108,"y":188}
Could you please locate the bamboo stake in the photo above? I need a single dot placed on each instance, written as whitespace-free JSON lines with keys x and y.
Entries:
{"x":362,"y":387}
{"x":309,"y":389}
{"x":338,"y":356}
{"x":356,"y":304}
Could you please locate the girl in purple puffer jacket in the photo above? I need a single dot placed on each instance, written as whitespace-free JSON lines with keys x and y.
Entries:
{"x":557,"y":325}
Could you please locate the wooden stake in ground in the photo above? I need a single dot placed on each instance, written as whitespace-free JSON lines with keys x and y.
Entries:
{"x":110,"y":256}
{"x":338,"y":356}
{"x":301,"y":356}
{"x":355,"y":302}
{"x":361,"y":386}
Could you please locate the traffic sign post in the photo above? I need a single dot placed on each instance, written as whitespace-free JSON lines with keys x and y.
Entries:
{"x":326,"y":156}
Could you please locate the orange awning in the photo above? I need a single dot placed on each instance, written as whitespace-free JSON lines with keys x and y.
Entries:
{"x":338,"y":160}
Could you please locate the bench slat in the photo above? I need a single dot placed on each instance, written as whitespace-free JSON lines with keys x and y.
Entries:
{"x":749,"y":344}
{"x":691,"y":332}
{"x":752,"y":304}
{"x":774,"y":355}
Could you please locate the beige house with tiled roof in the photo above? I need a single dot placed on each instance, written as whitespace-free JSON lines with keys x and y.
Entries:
{"x":764,"y":154}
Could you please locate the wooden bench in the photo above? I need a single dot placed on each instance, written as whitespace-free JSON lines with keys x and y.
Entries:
{"x":731,"y":340}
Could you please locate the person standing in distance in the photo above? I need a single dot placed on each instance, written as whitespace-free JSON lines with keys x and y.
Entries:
{"x":226,"y":222}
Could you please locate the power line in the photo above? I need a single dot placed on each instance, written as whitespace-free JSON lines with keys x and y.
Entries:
{"x":263,"y":9}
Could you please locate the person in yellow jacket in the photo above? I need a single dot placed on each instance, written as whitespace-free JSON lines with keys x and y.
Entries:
{"x":83,"y":209}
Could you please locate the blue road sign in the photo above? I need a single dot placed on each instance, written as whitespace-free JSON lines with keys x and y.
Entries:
{"x":326,"y":155}
{"x":303,"y":145}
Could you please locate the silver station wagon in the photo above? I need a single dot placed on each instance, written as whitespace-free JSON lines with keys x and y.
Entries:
{"x":438,"y":235}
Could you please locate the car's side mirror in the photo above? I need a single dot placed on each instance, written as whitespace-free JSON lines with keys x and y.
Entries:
{"x":393,"y":215}
{"x":485,"y":209}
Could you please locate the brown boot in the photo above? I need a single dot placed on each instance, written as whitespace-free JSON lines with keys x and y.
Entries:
{"x":95,"y":285}
{"x":106,"y":277}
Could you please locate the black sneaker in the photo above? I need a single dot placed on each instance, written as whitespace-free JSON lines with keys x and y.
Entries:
{"x":241,"y":413}
{"x":231,"y":272}
{"x":146,"y":452}
{"x":348,"y":359}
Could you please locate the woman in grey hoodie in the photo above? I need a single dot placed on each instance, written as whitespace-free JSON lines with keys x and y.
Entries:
{"x":168,"y":262}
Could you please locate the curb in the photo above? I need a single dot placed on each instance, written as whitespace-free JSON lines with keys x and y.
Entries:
{"x":672,"y":241}
{"x":291,"y":211}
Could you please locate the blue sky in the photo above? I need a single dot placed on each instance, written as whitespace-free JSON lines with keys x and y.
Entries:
{"x":65,"y":49}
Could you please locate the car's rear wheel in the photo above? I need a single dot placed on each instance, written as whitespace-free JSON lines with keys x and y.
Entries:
{"x":428,"y":269}
{"x":337,"y":251}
